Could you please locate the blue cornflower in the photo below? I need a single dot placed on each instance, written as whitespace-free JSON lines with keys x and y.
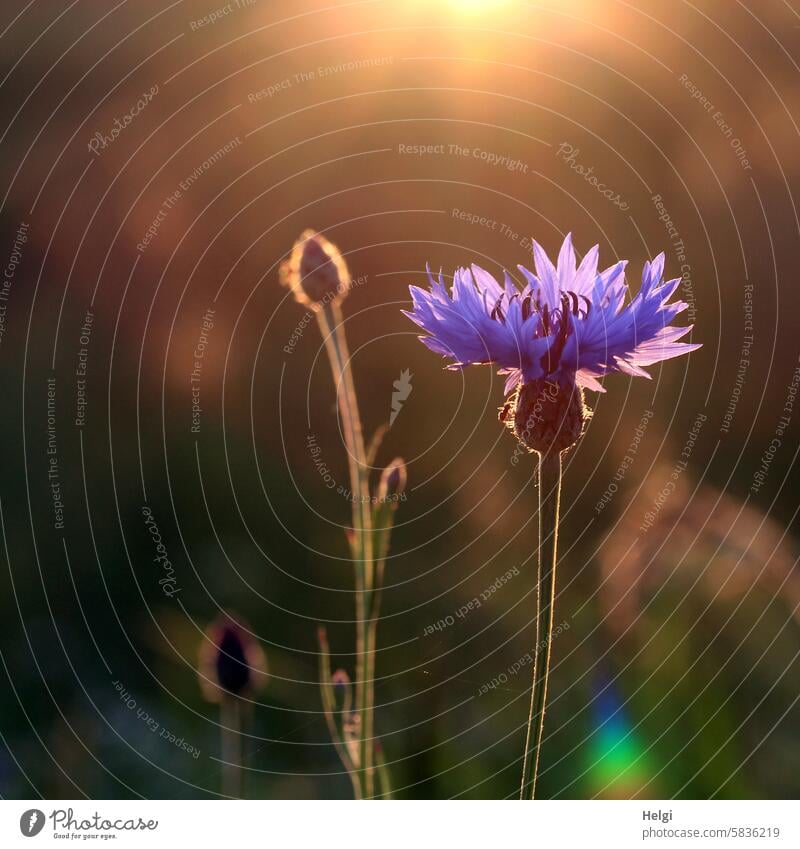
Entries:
{"x":570,"y":322}
{"x":569,"y":326}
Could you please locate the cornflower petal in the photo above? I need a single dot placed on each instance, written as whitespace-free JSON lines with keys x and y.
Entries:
{"x":570,"y":323}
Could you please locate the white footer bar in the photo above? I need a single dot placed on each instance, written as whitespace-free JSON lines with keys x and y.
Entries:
{"x":401,"y":825}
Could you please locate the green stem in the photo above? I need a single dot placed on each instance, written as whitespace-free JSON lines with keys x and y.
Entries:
{"x":332,"y":327}
{"x":370,"y":651}
{"x":384,"y":781}
{"x":330,"y":710}
{"x":549,"y":498}
{"x":231,"y":746}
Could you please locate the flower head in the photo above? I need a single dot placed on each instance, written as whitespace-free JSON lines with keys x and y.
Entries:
{"x":231,"y":661}
{"x":569,"y":325}
{"x":316,"y":271}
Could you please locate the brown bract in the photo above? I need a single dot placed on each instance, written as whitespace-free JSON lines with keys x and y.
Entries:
{"x":546,"y":416}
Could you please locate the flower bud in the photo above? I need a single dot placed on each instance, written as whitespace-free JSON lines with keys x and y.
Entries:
{"x":316,"y":271}
{"x":340,"y":678}
{"x":546,"y":416}
{"x":231,"y":661}
{"x":393,"y":481}
{"x":342,"y":691}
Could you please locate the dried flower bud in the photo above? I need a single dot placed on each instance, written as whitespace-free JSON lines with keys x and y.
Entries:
{"x":393,"y":481}
{"x":316,"y":271}
{"x":545,"y":415}
{"x":231,"y":661}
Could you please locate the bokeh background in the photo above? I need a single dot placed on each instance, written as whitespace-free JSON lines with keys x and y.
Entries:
{"x":445,"y":132}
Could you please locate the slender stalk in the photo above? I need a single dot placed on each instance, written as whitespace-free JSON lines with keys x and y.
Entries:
{"x":231,"y":746}
{"x":384,"y":782}
{"x":549,"y":498}
{"x":329,"y":708}
{"x":370,"y":650}
{"x":332,"y":327}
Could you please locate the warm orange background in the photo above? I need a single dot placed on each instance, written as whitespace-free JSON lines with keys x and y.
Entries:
{"x":693,"y":622}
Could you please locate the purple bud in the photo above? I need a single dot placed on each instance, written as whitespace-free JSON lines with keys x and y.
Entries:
{"x":231,"y":661}
{"x":233,"y":673}
{"x":393,"y":481}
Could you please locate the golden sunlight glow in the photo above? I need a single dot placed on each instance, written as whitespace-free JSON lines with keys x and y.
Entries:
{"x":476,"y":6}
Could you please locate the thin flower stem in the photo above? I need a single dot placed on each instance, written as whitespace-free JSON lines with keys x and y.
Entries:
{"x":332,"y":327}
{"x":369,"y":665}
{"x":384,"y":781}
{"x":231,"y":746}
{"x":329,"y":708}
{"x":549,"y":498}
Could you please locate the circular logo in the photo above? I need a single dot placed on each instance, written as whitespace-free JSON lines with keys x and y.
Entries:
{"x":31,"y":822}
